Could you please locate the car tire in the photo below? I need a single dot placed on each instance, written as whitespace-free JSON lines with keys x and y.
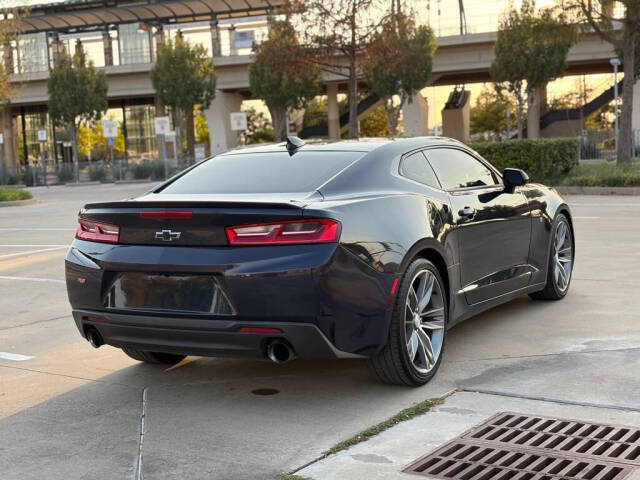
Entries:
{"x":552,"y":289}
{"x":153,"y":357}
{"x":393,"y":364}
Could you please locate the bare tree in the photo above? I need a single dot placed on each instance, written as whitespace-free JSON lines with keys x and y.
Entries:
{"x":619,"y":27}
{"x":335,"y":29}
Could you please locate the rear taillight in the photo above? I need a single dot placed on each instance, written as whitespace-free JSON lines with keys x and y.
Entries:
{"x":320,"y":230}
{"x":97,"y":231}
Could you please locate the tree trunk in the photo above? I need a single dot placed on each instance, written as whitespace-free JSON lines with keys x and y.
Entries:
{"x":353,"y":99}
{"x":175,"y":116}
{"x":279,"y":120}
{"x":74,"y":151}
{"x":191,"y":133}
{"x":519,"y":114}
{"x":393,"y":115}
{"x":625,"y":134}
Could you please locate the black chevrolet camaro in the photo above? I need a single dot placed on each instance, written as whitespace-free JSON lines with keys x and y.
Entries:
{"x":341,"y":250}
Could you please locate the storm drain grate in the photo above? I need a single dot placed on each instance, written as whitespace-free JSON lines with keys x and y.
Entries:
{"x":514,"y":446}
{"x":573,"y":437}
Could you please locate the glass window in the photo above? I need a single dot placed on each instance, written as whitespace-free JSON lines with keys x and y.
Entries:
{"x":33,"y":52}
{"x":263,"y":172}
{"x":416,"y":168}
{"x":457,"y":169}
{"x":134,"y":44}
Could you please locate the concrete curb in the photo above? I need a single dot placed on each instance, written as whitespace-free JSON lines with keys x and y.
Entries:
{"x":140,"y":180}
{"x":18,"y":203}
{"x":568,"y":190}
{"x":80,"y":184}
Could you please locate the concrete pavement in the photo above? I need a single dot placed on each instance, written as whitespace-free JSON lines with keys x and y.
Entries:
{"x":75,"y":412}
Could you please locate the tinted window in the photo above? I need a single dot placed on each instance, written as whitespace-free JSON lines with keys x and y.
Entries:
{"x":458,"y":169}
{"x":272,"y":172}
{"x":416,"y":168}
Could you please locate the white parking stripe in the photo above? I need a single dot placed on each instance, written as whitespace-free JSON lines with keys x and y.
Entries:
{"x":16,"y":357}
{"x":10,"y":255}
{"x":32,"y":279}
{"x":36,"y":229}
{"x":13,"y":245}
{"x":585,"y":218}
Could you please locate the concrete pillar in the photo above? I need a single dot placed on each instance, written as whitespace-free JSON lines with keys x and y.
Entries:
{"x":158,"y":38}
{"x":455,"y":120}
{"x":333,"y":111}
{"x":635,"y":109}
{"x":8,"y":57}
{"x":108,"y":48}
{"x":232,"y":40}
{"x":533,"y":114}
{"x":221,"y":137}
{"x":9,"y":161}
{"x":415,"y":116}
{"x":216,"y":50}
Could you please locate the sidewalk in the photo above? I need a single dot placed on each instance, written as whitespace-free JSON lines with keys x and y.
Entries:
{"x":386,"y":455}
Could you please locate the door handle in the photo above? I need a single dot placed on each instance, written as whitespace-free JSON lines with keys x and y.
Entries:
{"x":467,"y":213}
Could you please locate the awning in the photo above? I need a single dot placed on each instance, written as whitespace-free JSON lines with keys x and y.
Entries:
{"x":94,"y":15}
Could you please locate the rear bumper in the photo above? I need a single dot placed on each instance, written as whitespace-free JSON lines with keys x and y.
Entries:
{"x":204,"y":337}
{"x":327,"y":302}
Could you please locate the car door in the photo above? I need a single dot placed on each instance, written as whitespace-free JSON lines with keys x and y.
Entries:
{"x":493,"y":226}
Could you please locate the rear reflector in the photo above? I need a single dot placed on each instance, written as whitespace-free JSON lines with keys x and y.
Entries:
{"x":392,"y":292}
{"x":260,"y":330}
{"x":95,"y":319}
{"x":319,"y":230}
{"x":97,"y":231}
{"x":165,"y":214}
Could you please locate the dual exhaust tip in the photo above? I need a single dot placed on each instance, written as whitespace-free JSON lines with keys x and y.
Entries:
{"x":94,"y":338}
{"x":279,"y":351}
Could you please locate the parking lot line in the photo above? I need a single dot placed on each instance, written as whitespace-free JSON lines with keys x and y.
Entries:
{"x":31,"y":279}
{"x":36,"y":229}
{"x":16,"y":357}
{"x":31,"y":252}
{"x":13,"y":245}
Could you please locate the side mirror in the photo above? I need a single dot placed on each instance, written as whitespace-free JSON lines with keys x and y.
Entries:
{"x":514,"y":177}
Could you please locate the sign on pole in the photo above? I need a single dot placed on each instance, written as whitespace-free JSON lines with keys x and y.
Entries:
{"x":109,"y":128}
{"x":199,"y":151}
{"x":162,"y":125}
{"x":238,"y":121}
{"x":42,"y":135}
{"x":1,"y":138}
{"x":162,"y":128}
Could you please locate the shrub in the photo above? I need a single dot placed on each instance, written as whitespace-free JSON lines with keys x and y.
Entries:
{"x":606,"y":174}
{"x":544,"y":159}
{"x":11,"y":194}
{"x":97,"y":173}
{"x":64,"y":171}
{"x":148,"y":169}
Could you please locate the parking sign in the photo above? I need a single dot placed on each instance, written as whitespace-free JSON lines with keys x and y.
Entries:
{"x":42,"y":135}
{"x":109,"y":129}
{"x":162,"y":125}
{"x":238,"y":121}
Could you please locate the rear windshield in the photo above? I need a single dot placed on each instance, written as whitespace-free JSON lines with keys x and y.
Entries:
{"x":270,"y":172}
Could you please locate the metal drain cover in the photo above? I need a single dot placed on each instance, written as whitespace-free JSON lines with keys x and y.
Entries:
{"x":515,"y":446}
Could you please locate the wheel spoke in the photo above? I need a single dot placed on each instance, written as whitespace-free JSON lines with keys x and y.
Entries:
{"x":425,"y":343}
{"x":564,"y":251}
{"x":426,"y":295}
{"x":413,"y":298}
{"x":432,"y":312}
{"x":412,"y":345}
{"x":560,"y":236}
{"x":564,"y":260}
{"x":433,"y":324}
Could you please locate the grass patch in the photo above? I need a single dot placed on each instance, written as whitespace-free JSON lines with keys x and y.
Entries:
{"x":402,"y":416}
{"x":288,"y":476}
{"x":606,"y":174}
{"x":12,"y":194}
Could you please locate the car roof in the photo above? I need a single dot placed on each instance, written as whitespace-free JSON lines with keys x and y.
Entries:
{"x":360,"y":145}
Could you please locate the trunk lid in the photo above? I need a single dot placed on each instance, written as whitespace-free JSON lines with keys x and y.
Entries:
{"x":192,"y":220}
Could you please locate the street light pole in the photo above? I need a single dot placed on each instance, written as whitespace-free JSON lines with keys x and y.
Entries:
{"x":615,"y":62}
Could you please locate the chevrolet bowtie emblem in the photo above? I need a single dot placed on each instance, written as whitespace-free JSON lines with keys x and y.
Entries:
{"x":167,"y":235}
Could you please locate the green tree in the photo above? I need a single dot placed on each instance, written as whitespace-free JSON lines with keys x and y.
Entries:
{"x":259,"y":129}
{"x":375,"y":124}
{"x":77,"y":94}
{"x":623,"y":32}
{"x":489,"y":113}
{"x":183,"y":77}
{"x":398,"y":63}
{"x":530,"y":51}
{"x":281,"y":75}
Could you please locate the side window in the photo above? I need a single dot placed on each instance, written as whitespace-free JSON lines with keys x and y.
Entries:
{"x":457,"y":169}
{"x":416,"y":167}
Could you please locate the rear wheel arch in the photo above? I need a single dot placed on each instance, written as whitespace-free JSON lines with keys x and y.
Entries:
{"x":431,"y":250}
